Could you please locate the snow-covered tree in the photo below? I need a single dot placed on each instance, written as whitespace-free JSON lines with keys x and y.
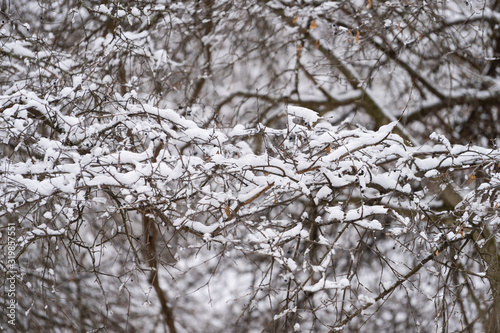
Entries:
{"x":250,"y":166}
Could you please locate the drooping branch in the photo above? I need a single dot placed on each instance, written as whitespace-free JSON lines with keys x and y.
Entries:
{"x":150,"y":239}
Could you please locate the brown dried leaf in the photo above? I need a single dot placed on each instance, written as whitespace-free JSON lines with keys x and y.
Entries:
{"x":357,"y":37}
{"x":299,"y":50}
{"x":295,"y":19}
{"x":313,"y":25}
{"x":317,"y":44}
{"x":369,"y":4}
{"x":472,"y":178}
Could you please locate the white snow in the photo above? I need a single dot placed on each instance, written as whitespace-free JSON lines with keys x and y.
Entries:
{"x":327,"y":284}
{"x":370,"y":224}
{"x":308,"y":115}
